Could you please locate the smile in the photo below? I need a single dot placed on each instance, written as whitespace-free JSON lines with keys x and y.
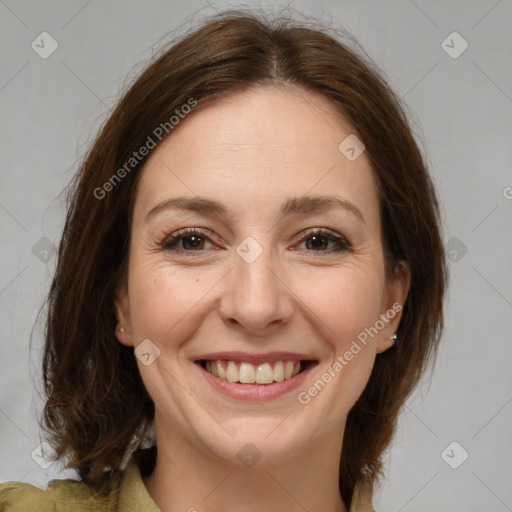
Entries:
{"x":252,"y":377}
{"x":248,"y":373}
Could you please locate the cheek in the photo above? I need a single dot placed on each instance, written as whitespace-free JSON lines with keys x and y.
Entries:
{"x":346,"y":304}
{"x":345,"y":301}
{"x":163,"y":298}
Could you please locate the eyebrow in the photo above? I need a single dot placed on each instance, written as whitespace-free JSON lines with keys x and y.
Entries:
{"x":292,"y":206}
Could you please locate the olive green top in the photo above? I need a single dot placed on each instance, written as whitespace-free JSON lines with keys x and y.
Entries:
{"x":130,"y":496}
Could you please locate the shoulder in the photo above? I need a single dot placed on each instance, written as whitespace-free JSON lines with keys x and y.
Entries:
{"x":59,"y":496}
{"x":19,"y":496}
{"x":66,"y":495}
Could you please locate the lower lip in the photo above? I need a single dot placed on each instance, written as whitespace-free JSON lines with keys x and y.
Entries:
{"x":255,"y":392}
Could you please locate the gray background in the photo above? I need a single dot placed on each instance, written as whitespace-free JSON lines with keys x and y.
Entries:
{"x":462,"y":108}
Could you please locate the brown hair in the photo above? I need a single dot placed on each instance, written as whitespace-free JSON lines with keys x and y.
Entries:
{"x":97,"y":408}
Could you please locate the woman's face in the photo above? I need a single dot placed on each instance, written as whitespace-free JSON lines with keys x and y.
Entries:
{"x":281,"y":270}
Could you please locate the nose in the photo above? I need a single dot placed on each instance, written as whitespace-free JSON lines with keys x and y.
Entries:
{"x":256,"y":296}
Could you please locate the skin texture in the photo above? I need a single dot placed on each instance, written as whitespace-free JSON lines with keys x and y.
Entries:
{"x":252,"y":151}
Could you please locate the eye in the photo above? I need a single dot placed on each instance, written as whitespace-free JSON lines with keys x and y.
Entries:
{"x":318,"y":240}
{"x":186,"y":240}
{"x":190,"y":240}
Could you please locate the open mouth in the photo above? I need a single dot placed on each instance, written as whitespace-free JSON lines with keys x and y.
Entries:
{"x":247,"y":373}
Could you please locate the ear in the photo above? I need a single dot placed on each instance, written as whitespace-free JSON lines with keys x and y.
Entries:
{"x":124,"y":330}
{"x":393,"y":300}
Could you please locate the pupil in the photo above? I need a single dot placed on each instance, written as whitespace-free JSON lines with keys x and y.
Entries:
{"x":317,"y":241}
{"x":193,"y":241}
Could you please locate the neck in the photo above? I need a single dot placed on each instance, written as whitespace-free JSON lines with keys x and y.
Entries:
{"x":189,"y":477}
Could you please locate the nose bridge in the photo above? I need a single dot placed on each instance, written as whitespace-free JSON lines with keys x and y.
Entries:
{"x":254,"y":295}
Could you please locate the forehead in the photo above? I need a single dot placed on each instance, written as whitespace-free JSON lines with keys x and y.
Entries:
{"x":252,"y":148}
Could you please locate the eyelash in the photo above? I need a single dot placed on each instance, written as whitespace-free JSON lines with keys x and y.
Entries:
{"x":170,"y":243}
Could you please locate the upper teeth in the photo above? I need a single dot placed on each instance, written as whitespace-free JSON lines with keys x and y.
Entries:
{"x":248,"y":373}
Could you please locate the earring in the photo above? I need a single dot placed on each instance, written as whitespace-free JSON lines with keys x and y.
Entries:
{"x":121,"y":329}
{"x":394,"y":338}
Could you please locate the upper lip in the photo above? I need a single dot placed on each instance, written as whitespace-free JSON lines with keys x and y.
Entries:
{"x":245,"y":357}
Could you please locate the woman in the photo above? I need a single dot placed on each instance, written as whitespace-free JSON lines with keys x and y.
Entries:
{"x":252,"y":264}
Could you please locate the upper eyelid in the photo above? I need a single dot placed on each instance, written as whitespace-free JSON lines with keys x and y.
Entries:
{"x":185,"y":232}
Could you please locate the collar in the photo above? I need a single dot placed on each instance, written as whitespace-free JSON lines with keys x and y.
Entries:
{"x":133,"y":495}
